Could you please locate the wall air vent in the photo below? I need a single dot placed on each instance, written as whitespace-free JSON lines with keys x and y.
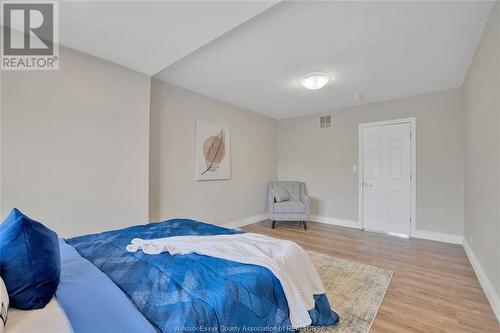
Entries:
{"x":325,"y":121}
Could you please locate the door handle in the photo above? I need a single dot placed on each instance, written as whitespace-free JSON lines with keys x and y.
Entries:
{"x":367,"y":185}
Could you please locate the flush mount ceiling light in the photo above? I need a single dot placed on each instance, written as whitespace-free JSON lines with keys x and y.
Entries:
{"x":314,"y":81}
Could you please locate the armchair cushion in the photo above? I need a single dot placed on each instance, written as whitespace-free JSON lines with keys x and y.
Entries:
{"x":289,"y":207}
{"x":281,"y":194}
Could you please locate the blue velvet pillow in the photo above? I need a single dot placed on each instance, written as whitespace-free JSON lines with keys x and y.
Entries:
{"x":30,"y":263}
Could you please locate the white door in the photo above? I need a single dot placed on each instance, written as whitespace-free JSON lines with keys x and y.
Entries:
{"x":386,"y":182}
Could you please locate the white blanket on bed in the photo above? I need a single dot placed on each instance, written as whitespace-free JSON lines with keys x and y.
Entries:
{"x":287,"y":260}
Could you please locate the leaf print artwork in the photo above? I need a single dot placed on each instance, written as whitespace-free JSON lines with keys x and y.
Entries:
{"x":214,"y":150}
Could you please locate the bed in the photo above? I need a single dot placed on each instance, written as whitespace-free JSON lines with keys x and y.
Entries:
{"x":104,"y":288}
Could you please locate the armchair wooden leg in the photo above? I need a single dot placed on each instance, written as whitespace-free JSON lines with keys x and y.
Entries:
{"x":274,"y":224}
{"x":304,"y":223}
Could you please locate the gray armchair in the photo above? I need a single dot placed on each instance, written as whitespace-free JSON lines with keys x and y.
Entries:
{"x":295,"y":209}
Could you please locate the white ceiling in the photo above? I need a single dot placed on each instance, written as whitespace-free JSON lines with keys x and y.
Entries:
{"x":148,"y":36}
{"x":384,"y":50}
{"x":252,"y":53}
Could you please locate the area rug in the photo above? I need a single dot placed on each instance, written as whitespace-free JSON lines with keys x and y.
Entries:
{"x":354,"y":290}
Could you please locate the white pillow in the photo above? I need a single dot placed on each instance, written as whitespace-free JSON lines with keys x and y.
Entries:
{"x":280,"y":195}
{"x":50,"y":319}
{"x":4,"y":305}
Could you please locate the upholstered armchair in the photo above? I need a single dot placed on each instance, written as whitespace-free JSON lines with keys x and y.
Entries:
{"x":288,"y":201}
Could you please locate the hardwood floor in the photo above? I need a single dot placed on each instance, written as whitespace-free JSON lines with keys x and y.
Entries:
{"x":433,"y":289}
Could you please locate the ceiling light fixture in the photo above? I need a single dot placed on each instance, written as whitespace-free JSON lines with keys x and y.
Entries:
{"x":314,"y":81}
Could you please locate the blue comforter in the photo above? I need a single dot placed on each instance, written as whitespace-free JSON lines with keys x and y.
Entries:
{"x":193,"y":293}
{"x":92,"y":302}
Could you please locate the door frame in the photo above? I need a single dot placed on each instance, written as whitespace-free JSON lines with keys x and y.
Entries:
{"x":413,"y":168}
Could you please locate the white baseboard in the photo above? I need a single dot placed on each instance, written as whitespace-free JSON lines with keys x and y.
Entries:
{"x":313,"y":218}
{"x":334,"y":221}
{"x":488,"y":289}
{"x":245,"y":221}
{"x":422,"y":234}
{"x":438,"y":236}
{"x":430,"y":235}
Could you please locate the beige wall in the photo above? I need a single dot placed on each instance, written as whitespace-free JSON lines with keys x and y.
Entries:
{"x":1,"y":143}
{"x":324,"y":158}
{"x":75,"y":144}
{"x":482,"y":151}
{"x":173,"y":190}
